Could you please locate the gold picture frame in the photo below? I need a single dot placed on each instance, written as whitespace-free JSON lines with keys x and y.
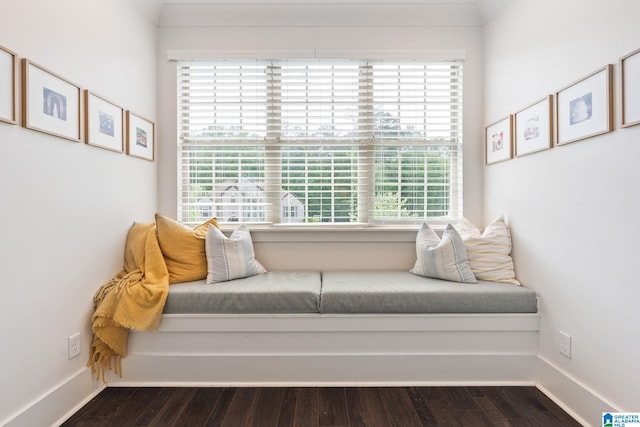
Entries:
{"x":585,"y":108}
{"x":8,"y":73}
{"x":534,"y":127}
{"x":140,"y":137}
{"x":630,"y":89}
{"x":104,"y":123}
{"x":498,"y":138}
{"x":50,"y":104}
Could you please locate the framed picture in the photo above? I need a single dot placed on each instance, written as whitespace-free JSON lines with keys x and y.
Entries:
{"x":7,"y":86}
{"x":630,"y":84}
{"x":584,"y":109}
{"x":140,"y":137}
{"x":533,"y":127}
{"x":104,"y":123}
{"x":50,"y":103}
{"x":499,"y":141}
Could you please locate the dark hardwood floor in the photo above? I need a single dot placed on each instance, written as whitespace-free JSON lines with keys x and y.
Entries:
{"x":394,"y":406}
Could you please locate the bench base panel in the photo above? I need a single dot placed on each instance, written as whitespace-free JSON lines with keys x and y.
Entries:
{"x":324,"y":350}
{"x":328,"y":371}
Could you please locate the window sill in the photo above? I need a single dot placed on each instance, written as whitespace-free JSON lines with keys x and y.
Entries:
{"x":328,"y":233}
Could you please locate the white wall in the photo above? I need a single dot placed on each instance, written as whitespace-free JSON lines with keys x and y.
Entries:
{"x":572,"y":209}
{"x":65,"y":207}
{"x":347,"y":28}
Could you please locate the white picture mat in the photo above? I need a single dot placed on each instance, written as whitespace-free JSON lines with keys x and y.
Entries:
{"x":597,"y":86}
{"x":498,"y":143}
{"x":96,"y":107}
{"x":7,"y":82}
{"x":533,"y":128}
{"x":631,"y":89}
{"x":136,"y":125}
{"x":38,"y":81}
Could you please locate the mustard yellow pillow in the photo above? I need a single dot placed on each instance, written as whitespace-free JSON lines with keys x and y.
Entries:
{"x":183,"y":248}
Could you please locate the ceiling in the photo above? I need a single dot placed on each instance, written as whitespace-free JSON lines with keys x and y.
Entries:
{"x":209,"y":13}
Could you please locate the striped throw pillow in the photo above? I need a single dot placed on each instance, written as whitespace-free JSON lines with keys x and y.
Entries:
{"x":231,"y":257}
{"x":490,"y":252}
{"x":442,"y":259}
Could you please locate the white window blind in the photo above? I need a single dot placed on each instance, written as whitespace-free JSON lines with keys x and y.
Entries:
{"x":319,"y":141}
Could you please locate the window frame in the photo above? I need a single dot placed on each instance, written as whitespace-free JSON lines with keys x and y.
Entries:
{"x":272,"y":166}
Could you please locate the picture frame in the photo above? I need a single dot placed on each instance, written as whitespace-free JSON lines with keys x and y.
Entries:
{"x":585,"y":109}
{"x":140,"y":137}
{"x":534,"y":127}
{"x":50,"y":104}
{"x":104,"y":123}
{"x":7,"y":86}
{"x":499,"y":141}
{"x":630,"y":88}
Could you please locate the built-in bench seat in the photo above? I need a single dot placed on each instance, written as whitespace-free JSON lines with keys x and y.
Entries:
{"x":338,"y":328}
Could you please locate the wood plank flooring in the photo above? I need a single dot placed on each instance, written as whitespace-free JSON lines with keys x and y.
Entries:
{"x":369,"y":406}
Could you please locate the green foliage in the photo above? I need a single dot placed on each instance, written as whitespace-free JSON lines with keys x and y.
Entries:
{"x":391,"y":205}
{"x":410,"y":180}
{"x":418,"y":175}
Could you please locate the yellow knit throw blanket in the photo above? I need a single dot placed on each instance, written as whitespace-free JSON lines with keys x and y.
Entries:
{"x":133,"y":299}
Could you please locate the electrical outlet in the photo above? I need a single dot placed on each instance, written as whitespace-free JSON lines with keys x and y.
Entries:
{"x":73,"y":343}
{"x":565,"y":344}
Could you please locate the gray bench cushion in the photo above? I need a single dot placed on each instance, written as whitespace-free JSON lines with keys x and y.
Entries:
{"x":403,"y":292}
{"x":273,"y":292}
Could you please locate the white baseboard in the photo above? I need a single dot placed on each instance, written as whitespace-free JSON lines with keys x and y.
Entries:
{"x":59,"y":403}
{"x":432,"y":350}
{"x":582,"y":403}
{"x":578,"y":400}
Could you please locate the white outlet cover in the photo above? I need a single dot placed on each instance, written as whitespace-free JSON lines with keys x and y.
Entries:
{"x":73,"y":346}
{"x":565,"y":344}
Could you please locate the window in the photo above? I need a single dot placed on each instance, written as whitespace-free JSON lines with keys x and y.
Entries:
{"x":319,"y":141}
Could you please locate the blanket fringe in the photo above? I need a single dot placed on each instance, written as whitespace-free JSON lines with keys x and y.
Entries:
{"x":102,"y":359}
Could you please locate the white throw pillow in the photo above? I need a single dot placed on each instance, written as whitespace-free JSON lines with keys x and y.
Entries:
{"x":490,"y":252}
{"x":442,"y":259}
{"x":231,"y":257}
